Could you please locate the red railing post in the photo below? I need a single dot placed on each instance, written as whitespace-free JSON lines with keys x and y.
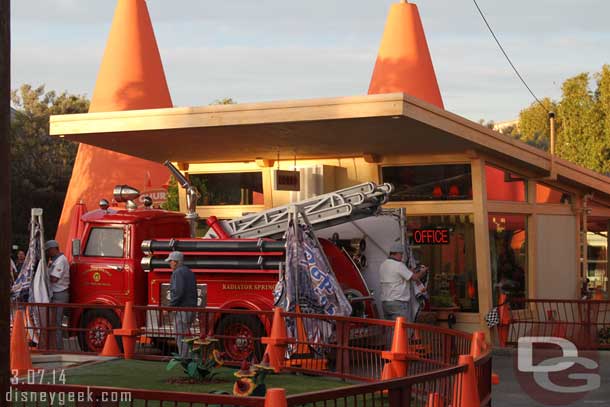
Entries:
{"x":399,"y":397}
{"x":342,"y":351}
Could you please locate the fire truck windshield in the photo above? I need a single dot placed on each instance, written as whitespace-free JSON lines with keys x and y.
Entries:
{"x":105,"y":242}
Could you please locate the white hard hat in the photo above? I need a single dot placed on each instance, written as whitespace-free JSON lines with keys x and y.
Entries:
{"x":175,"y":256}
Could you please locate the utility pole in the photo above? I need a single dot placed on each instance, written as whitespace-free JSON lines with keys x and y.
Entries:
{"x":5,"y":191}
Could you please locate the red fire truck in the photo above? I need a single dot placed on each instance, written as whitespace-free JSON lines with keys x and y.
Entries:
{"x":118,"y":257}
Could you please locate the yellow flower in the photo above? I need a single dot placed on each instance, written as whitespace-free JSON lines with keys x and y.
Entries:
{"x":216,"y":356}
{"x":243,"y":387}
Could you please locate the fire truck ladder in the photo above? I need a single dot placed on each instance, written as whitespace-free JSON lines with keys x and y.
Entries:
{"x":322,"y":211}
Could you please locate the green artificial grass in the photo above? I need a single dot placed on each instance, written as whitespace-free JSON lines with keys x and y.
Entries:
{"x":147,"y":375}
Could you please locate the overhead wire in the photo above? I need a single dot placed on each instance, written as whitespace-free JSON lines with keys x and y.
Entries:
{"x":507,"y":57}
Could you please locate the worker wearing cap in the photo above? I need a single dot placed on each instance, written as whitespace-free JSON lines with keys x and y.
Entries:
{"x":183,"y":293}
{"x":59,"y":276}
{"x":397,"y":294}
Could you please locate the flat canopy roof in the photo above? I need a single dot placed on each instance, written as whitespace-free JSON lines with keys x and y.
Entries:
{"x":387,"y":124}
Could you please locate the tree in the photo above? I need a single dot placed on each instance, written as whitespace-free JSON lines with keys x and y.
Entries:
{"x":603,"y":97}
{"x":224,"y":101}
{"x":582,"y":125}
{"x":41,"y":165}
{"x":534,"y":128}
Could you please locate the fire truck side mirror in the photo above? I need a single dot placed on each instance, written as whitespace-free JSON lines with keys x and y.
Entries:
{"x":75,"y":247}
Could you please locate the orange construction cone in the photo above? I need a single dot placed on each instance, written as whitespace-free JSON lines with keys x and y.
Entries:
{"x":495,"y":378}
{"x":478,"y":345}
{"x":276,"y":398}
{"x":21,"y":361}
{"x":111,"y":348}
{"x":504,"y":315}
{"x":277,"y":342}
{"x":466,"y":390}
{"x":434,"y":400}
{"x":302,"y":355}
{"x":398,"y":354}
{"x":128,"y":331}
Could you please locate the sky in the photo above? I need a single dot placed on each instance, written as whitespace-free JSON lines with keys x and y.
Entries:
{"x":266,"y":50}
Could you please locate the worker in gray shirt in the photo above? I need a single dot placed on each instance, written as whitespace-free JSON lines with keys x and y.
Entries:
{"x":183,"y":293}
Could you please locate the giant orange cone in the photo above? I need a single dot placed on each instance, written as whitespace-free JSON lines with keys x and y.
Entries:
{"x":398,"y":354}
{"x":404,"y":63}
{"x":21,"y":360}
{"x":277,"y":342}
{"x":131,"y":77}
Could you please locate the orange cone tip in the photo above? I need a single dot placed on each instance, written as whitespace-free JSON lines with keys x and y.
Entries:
{"x":403,"y":62}
{"x":131,"y":77}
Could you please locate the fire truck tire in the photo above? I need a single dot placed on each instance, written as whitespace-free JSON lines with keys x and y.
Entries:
{"x":96,"y":323}
{"x":245,"y":332}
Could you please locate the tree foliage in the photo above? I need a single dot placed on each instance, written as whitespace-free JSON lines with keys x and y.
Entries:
{"x":582,"y":125}
{"x":41,"y":165}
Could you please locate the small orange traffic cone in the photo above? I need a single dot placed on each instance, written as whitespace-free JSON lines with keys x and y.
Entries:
{"x":129,"y":317}
{"x":128,"y":331}
{"x":398,"y":354}
{"x":111,"y":348}
{"x":277,"y":342}
{"x":21,"y":361}
{"x":434,"y":400}
{"x":302,"y":356}
{"x":276,"y":398}
{"x":504,"y":315}
{"x":467,"y":393}
{"x":478,"y":345}
{"x":495,"y":378}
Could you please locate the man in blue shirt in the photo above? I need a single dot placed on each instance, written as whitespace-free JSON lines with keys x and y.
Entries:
{"x":183,"y":293}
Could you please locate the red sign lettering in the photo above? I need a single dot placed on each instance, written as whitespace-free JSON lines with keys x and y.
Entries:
{"x":431,"y":236}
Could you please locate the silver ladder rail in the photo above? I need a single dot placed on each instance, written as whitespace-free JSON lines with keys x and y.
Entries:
{"x":322,"y":211}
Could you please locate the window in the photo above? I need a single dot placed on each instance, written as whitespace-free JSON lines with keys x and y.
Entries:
{"x":597,"y":252}
{"x":237,"y":188}
{"x":105,"y":242}
{"x":508,"y":254}
{"x":429,"y":182}
{"x":549,"y":195}
{"x":503,"y":185}
{"x":452,"y":280}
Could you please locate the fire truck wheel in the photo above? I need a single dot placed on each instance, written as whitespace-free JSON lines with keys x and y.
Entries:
{"x":244,"y":333}
{"x":96,"y":323}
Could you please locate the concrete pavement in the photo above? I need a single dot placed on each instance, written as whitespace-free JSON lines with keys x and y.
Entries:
{"x":510,"y":394}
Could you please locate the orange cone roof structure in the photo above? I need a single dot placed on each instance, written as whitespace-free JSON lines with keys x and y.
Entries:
{"x":131,"y":77}
{"x":404,"y":63}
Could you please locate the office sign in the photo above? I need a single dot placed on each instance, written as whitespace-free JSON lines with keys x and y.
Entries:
{"x":431,"y":236}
